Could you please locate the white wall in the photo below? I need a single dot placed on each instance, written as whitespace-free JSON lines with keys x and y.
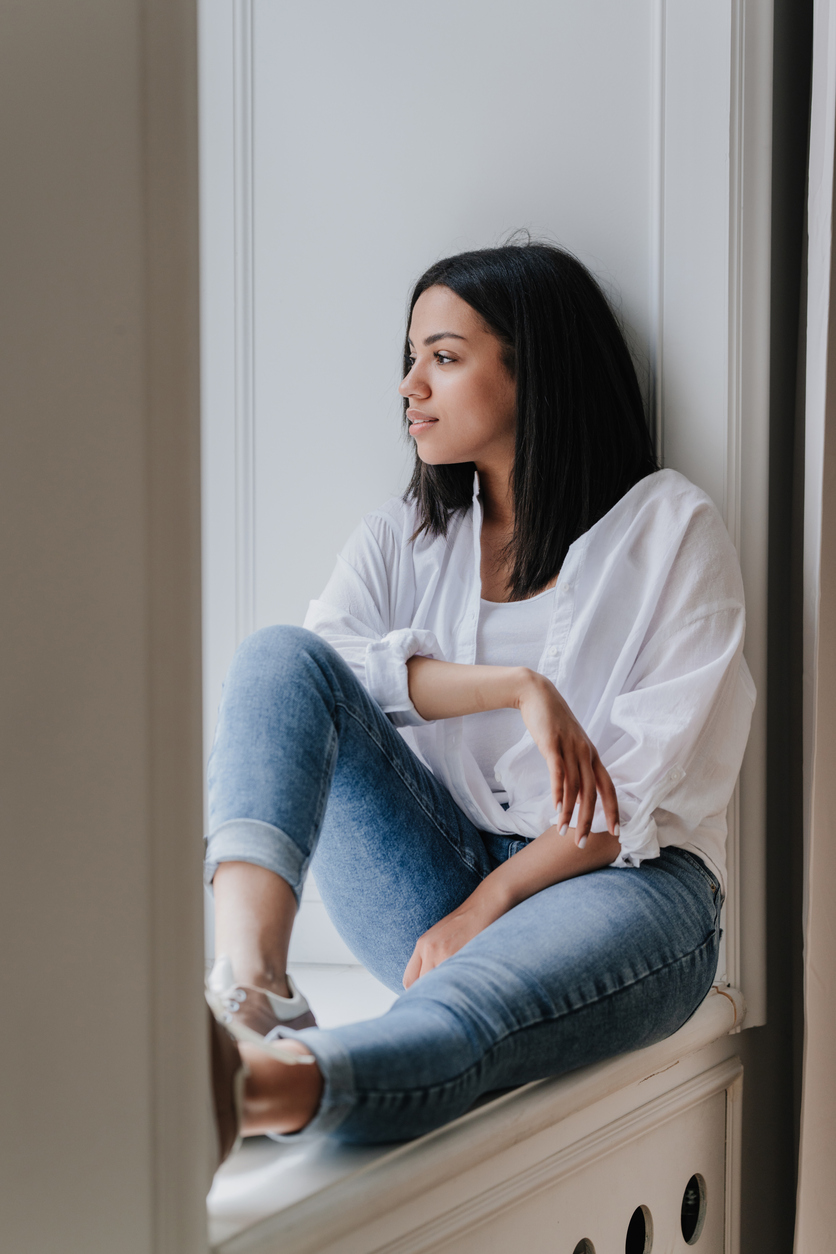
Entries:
{"x":345,"y":147}
{"x":379,"y":143}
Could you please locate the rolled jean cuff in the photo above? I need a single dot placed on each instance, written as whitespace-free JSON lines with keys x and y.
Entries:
{"x":339,"y":1095}
{"x":250,"y":840}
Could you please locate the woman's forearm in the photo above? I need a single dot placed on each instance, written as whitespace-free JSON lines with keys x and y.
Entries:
{"x":441,"y":690}
{"x":450,"y":689}
{"x":545,"y":861}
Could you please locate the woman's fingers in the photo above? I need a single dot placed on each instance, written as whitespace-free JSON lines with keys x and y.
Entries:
{"x":557,"y":775}
{"x":570,"y":791}
{"x":609,"y":799}
{"x":586,"y":778}
{"x":589,"y":794}
{"x":413,"y":969}
{"x":575,"y":770}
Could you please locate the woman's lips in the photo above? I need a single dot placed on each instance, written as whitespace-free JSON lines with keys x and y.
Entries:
{"x":418,"y":421}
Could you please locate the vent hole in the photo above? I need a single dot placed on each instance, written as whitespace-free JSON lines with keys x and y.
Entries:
{"x":639,"y":1232}
{"x":693,"y":1209}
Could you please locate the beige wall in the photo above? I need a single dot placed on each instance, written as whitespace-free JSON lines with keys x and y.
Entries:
{"x":101,"y":1046}
{"x":817,"y":1160}
{"x":817,"y":1164}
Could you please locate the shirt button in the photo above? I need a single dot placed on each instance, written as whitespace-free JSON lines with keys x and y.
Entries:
{"x":552,"y":651}
{"x":567,"y":587}
{"x":497,"y":777}
{"x":674,"y":775}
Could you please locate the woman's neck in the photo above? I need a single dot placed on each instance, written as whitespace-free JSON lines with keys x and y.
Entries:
{"x":497,"y":499}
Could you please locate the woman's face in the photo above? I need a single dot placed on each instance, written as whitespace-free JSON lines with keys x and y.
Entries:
{"x":461,"y":395}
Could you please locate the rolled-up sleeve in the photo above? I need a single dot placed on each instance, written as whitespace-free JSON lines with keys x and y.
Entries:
{"x":684,"y":727}
{"x":672,"y":727}
{"x":355,"y":615}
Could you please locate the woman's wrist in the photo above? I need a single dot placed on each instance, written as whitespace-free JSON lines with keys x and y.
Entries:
{"x":493,"y":897}
{"x":513,"y":685}
{"x":526,"y":683}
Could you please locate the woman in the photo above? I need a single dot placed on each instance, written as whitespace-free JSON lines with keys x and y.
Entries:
{"x":505,"y":738}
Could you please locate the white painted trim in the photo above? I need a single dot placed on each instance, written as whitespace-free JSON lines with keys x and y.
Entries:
{"x":731,"y":503}
{"x":732,"y":921}
{"x":751,"y":471}
{"x":743,"y":491}
{"x":244,"y":306}
{"x":657,"y":227}
{"x":734,"y":1158}
{"x":476,"y":1211}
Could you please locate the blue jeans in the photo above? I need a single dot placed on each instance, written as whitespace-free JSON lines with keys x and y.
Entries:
{"x":306,"y":769}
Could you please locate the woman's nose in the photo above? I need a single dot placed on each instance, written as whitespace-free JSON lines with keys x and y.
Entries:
{"x":413,"y":385}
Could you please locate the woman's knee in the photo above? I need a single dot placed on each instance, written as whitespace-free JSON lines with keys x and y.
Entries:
{"x":280,"y":655}
{"x":281,"y":642}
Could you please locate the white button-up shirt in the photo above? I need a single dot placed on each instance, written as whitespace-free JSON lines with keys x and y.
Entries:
{"x":645,"y":644}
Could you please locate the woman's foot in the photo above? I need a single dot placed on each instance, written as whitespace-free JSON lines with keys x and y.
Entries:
{"x":256,"y":1007}
{"x":254,"y":1092}
{"x":279,"y":1096}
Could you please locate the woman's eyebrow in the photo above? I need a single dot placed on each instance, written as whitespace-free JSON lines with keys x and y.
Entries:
{"x":440,"y":335}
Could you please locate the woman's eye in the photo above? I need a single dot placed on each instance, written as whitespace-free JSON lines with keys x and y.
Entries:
{"x":443,"y":358}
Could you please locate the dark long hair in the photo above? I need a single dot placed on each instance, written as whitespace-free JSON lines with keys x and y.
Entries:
{"x":582,"y":439}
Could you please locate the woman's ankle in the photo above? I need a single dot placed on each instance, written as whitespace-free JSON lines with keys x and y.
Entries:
{"x":262,"y":975}
{"x":254,"y":914}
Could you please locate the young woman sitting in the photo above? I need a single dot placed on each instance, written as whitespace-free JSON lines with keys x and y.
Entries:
{"x":504,"y":740}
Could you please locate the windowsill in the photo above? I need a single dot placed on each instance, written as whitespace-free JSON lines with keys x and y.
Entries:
{"x":303,"y":1198}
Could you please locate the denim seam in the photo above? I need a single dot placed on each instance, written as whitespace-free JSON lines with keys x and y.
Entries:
{"x":696,"y":864}
{"x":526,"y":1027}
{"x":324,"y":793}
{"x":417,"y":795}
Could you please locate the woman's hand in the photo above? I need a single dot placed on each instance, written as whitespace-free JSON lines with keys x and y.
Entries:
{"x":451,"y":933}
{"x":553,"y":857}
{"x":574,"y":766}
{"x":450,"y":689}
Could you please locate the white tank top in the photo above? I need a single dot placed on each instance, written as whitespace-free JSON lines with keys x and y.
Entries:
{"x":510,"y":633}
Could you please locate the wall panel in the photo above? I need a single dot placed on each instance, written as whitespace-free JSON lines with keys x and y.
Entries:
{"x":368,"y":140}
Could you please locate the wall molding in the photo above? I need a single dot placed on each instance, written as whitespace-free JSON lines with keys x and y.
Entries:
{"x":736,"y":150}
{"x":732,"y":495}
{"x":244,"y":312}
{"x":657,"y":225}
{"x":734,"y":1159}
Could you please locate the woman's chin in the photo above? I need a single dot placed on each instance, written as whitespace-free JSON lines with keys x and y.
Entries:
{"x":442,"y":457}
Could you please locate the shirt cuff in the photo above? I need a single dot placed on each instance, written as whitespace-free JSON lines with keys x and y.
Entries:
{"x":387,"y":679}
{"x":638,"y":836}
{"x":638,"y":841}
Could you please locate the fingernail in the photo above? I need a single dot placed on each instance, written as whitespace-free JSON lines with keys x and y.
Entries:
{"x":564,"y":829}
{"x":616,"y":831}
{"x":582,"y":842}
